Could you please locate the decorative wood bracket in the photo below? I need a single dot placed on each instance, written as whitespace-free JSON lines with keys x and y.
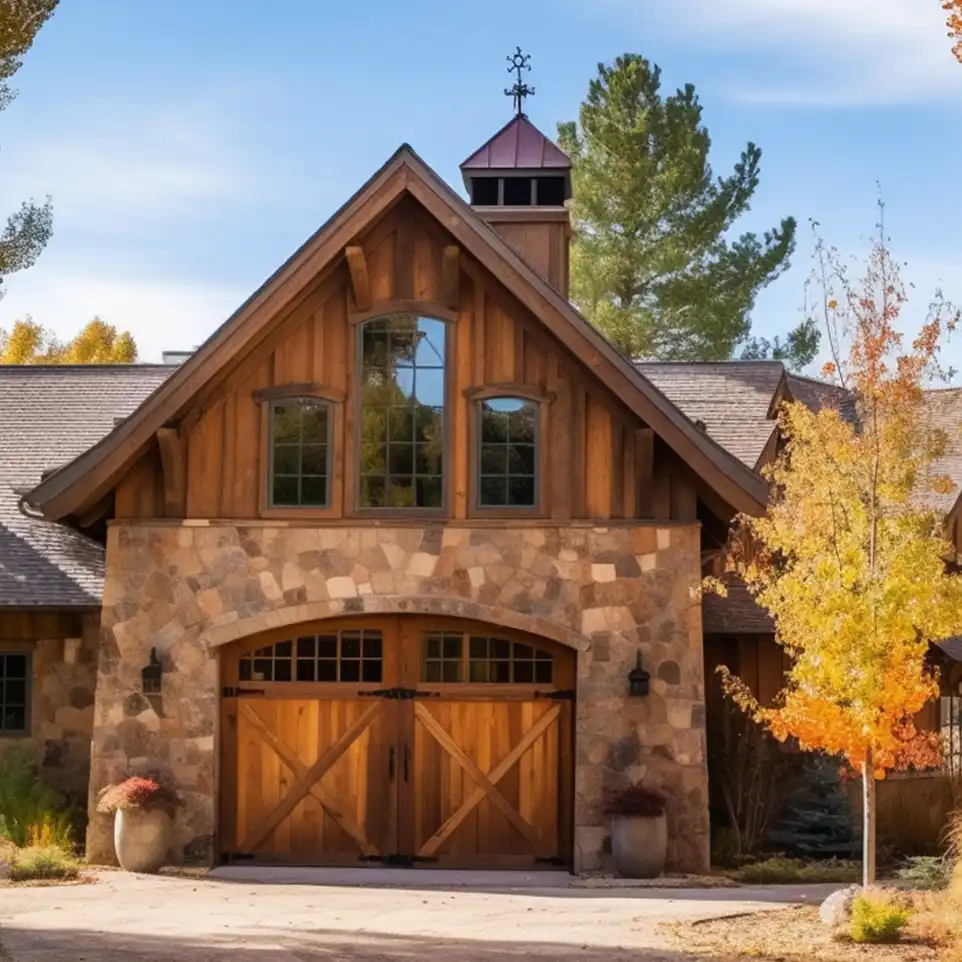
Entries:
{"x":95,"y":512}
{"x":510,"y":389}
{"x":174,"y":463}
{"x":450,"y":276}
{"x":360,"y":277}
{"x":302,"y":389}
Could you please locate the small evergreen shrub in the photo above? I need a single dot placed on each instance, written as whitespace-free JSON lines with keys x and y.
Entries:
{"x":926,"y":872}
{"x":779,"y":870}
{"x":877,"y":919}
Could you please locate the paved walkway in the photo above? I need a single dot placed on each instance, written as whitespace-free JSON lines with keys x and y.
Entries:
{"x":126,"y":918}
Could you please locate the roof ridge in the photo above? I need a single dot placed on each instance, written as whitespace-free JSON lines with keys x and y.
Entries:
{"x":734,"y":360}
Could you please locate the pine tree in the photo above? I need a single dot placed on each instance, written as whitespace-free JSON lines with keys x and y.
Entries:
{"x":653,"y":266}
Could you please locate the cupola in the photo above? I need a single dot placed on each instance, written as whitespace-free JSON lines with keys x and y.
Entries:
{"x":518,"y":181}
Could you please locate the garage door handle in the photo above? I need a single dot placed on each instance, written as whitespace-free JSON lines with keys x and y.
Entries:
{"x":390,"y":764}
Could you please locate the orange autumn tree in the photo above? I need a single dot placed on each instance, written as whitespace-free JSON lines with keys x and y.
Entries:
{"x":850,"y":559}
{"x":954,"y":20}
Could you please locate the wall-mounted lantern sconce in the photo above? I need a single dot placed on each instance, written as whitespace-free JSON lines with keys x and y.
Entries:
{"x":639,"y":680}
{"x":151,"y":675}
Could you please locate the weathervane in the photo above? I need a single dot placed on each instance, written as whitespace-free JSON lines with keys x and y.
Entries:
{"x":518,"y":63}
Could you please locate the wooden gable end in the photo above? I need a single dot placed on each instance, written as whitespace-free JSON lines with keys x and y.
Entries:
{"x":598,"y":460}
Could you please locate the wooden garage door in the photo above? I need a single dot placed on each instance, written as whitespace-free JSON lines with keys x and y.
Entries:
{"x":401,"y":741}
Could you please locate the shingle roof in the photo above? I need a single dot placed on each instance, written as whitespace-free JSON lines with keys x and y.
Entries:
{"x":732,"y":398}
{"x":734,"y":614}
{"x":817,"y":395}
{"x":49,"y":415}
{"x":945,"y":410}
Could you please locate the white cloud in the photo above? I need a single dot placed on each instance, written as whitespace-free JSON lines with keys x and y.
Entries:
{"x":831,"y":51}
{"x":162,"y":313}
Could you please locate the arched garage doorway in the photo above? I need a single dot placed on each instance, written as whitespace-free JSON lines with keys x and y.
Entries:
{"x":397,"y":740}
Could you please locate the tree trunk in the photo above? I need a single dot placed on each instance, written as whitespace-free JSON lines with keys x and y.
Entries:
{"x":868,"y":821}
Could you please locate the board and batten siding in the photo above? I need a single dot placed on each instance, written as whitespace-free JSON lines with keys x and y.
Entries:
{"x":597,"y":459}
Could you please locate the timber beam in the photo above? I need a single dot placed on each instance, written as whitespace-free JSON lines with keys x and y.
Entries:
{"x":450,"y":276}
{"x":174,"y":462}
{"x":360,"y":277}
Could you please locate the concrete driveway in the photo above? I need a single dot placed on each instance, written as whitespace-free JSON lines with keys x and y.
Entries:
{"x":124,"y":918}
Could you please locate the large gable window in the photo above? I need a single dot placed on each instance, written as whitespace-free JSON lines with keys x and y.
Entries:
{"x":402,"y":422}
{"x":300,"y":431}
{"x":508,"y":453}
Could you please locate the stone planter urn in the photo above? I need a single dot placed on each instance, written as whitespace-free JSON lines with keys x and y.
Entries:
{"x":141,"y":839}
{"x":142,"y":809}
{"x":639,"y":832}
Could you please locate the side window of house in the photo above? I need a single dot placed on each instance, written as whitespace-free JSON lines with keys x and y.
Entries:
{"x":508,"y":453}
{"x":14,"y":692}
{"x":402,"y":417}
{"x":300,"y":431}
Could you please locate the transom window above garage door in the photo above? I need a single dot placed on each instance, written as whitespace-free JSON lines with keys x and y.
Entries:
{"x":355,"y":654}
{"x":454,"y":656}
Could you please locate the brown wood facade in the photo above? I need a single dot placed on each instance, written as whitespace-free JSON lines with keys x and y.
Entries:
{"x":597,"y":459}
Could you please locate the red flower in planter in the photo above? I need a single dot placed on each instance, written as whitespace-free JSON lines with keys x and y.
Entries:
{"x":137,"y":793}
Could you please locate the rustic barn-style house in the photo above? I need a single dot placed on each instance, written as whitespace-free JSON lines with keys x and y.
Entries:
{"x":401,"y":566}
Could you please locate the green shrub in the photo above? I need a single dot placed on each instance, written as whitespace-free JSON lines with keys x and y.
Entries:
{"x":43,"y":862}
{"x":927,"y":872}
{"x":28,"y":803}
{"x":779,"y":870}
{"x":877,"y":919}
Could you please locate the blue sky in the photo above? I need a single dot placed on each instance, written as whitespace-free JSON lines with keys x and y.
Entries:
{"x":191,"y":146}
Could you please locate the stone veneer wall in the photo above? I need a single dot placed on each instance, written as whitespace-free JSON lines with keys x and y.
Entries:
{"x":609,"y":591}
{"x":61,"y":706}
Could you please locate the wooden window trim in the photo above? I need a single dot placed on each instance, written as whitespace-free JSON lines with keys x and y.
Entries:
{"x":542,"y":453}
{"x":352,"y":508}
{"x":404,"y":305}
{"x":27,"y":649}
{"x":510,"y":390}
{"x":335,"y":417}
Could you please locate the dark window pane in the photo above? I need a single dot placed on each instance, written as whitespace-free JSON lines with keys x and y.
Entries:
{"x":432,"y":671}
{"x":500,"y":648}
{"x":427,"y":459}
{"x":314,"y":425}
{"x":327,"y":671}
{"x":478,"y":671}
{"x":16,"y":666}
{"x":401,"y":459}
{"x":429,"y":493}
{"x":282,"y":670}
{"x":501,"y":672}
{"x":400,"y":493}
{"x":372,"y":645}
{"x":453,"y":646}
{"x":373,"y":493}
{"x":478,"y":647}
{"x":264,"y":652}
{"x":245,"y":669}
{"x":314,"y":492}
{"x":521,"y":492}
{"x":306,"y":647}
{"x":494,"y":492}
{"x":494,"y":459}
{"x":263,"y":669}
{"x":15,"y":719}
{"x":432,"y":646}
{"x":521,"y":459}
{"x":305,"y":669}
{"x":523,"y":651}
{"x":283,"y":649}
{"x":327,"y":646}
{"x":350,"y":671}
{"x":494,"y":426}
{"x":350,"y":645}
{"x":451,"y":670}
{"x":524,"y":672}
{"x":314,"y":459}
{"x":285,"y":491}
{"x":286,"y":426}
{"x":371,"y":671}
{"x":286,"y":459}
{"x":543,"y":672}
{"x":373,"y":458}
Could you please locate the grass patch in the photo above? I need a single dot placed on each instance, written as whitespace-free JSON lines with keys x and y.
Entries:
{"x":877,"y":919}
{"x":926,"y":872}
{"x":43,"y":862}
{"x":28,"y":803}
{"x":791,"y":871}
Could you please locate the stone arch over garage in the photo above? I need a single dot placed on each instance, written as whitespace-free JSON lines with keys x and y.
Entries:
{"x":395,"y":605}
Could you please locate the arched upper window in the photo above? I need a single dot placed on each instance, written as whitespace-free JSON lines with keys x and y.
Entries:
{"x":300,"y":432}
{"x":508,"y":453}
{"x":402,"y":417}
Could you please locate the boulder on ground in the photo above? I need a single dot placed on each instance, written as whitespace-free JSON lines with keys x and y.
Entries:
{"x":836,"y":910}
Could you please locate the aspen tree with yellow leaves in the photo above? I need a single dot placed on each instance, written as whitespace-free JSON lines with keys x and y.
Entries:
{"x":850,"y":560}
{"x":98,"y":343}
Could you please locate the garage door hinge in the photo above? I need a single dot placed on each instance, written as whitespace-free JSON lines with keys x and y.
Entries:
{"x":568,"y":695}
